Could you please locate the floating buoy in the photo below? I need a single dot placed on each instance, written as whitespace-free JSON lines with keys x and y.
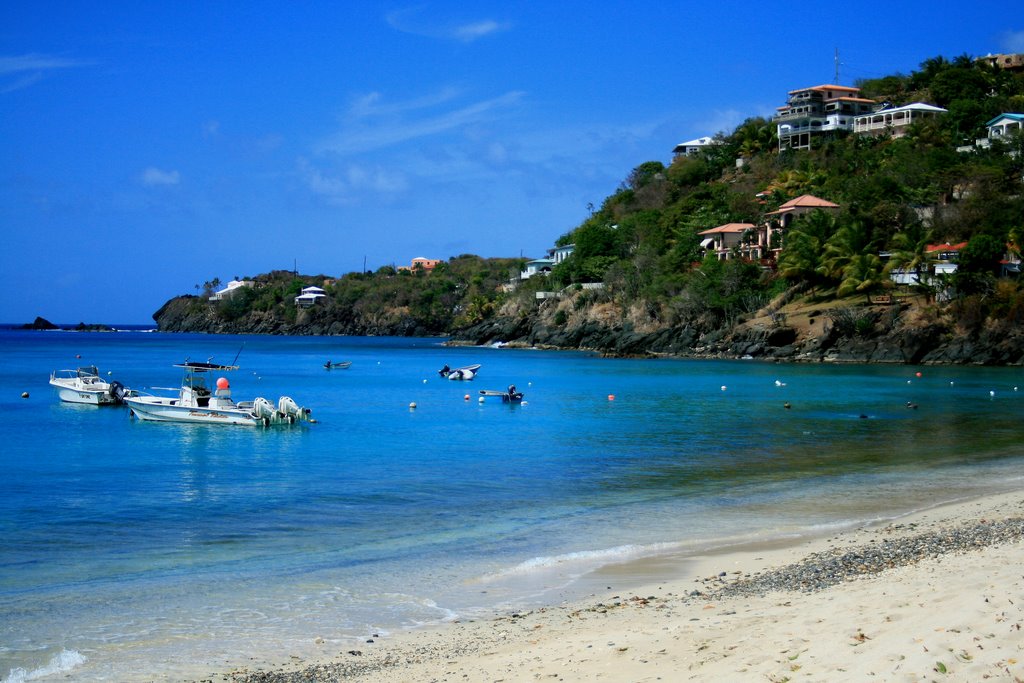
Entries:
{"x":412,"y":405}
{"x":466,"y":397}
{"x":222,"y":383}
{"x":78,"y":355}
{"x":424,"y":381}
{"x":917,"y":374}
{"x":908,"y":381}
{"x":786,"y":405}
{"x":524,"y":403}
{"x":611,"y":397}
{"x":24,"y":394}
{"x":992,"y":393}
{"x":481,"y":399}
{"x":723,"y":387}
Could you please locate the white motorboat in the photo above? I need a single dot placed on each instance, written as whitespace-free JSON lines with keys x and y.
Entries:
{"x":464,"y":373}
{"x":196,"y":403}
{"x":84,"y":385}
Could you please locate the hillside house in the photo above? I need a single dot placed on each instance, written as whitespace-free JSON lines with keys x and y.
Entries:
{"x":309,"y":297}
{"x":231,"y":289}
{"x":894,"y":121}
{"x":818,"y":112}
{"x":778,"y":221}
{"x":421,"y":263}
{"x":733,"y":240}
{"x":999,"y":128}
{"x":691,"y":147}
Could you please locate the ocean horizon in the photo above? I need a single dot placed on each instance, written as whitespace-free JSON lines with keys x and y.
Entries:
{"x":141,"y":551}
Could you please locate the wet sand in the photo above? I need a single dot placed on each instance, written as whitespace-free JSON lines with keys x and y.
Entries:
{"x":937,"y":595}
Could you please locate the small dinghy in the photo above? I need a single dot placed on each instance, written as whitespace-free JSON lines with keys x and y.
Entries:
{"x":463,"y":373}
{"x":510,"y":396}
{"x":343,"y":365}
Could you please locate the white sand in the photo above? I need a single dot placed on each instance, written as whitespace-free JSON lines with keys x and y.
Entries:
{"x":955,"y":617}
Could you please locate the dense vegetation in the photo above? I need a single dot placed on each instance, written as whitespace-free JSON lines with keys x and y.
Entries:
{"x":897,"y":196}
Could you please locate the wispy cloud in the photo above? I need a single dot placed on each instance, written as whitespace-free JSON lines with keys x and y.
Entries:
{"x":21,"y":71}
{"x":371,"y":125}
{"x":155,"y":177}
{"x":351,"y":183}
{"x":416,"y":21}
{"x":1012,"y":41}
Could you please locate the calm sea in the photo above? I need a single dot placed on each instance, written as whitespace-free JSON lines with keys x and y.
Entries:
{"x":142,"y":551}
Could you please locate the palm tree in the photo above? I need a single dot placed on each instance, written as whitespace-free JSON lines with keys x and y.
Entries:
{"x":909,"y":253}
{"x":849,"y":242}
{"x":862,"y":273}
{"x":801,"y":255}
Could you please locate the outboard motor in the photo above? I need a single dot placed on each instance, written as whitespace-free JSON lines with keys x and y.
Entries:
{"x":117,"y":392}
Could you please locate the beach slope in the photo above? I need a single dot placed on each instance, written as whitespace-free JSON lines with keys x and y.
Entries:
{"x":936,"y":596}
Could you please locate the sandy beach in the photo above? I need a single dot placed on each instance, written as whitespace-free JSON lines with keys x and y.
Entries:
{"x":938,"y":595}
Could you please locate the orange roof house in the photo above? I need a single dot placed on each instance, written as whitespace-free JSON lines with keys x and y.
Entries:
{"x":724,"y":239}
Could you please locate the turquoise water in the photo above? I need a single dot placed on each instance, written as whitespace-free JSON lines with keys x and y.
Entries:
{"x":140,"y":551}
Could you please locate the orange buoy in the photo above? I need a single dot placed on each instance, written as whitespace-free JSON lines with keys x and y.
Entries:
{"x":466,"y":397}
{"x":222,"y":383}
{"x":611,"y":397}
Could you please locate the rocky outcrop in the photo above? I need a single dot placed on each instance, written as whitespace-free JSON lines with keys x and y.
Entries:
{"x":932,"y":343}
{"x":882,"y":335}
{"x":40,"y":324}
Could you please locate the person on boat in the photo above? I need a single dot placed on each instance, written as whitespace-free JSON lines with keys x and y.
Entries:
{"x":327,"y":365}
{"x":445,"y":370}
{"x":511,"y":390}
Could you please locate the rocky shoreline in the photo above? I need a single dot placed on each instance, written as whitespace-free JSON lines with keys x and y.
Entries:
{"x":892,"y":547}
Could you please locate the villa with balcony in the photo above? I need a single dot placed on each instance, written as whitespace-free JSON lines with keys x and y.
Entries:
{"x":818,"y":112}
{"x":734,"y":240}
{"x":895,"y":121}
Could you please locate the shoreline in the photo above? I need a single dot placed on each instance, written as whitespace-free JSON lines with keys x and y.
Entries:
{"x":936,"y":592}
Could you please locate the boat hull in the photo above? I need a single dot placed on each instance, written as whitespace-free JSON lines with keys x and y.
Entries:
{"x":92,"y":397}
{"x":146,"y":408}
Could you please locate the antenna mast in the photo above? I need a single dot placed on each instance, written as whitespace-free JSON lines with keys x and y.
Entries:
{"x":837,"y":67}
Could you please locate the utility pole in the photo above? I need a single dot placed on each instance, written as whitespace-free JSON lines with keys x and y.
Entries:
{"x":837,"y":67}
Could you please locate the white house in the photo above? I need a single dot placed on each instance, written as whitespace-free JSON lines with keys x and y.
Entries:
{"x":998,"y":128}
{"x":894,"y":120}
{"x":691,"y":147}
{"x":309,"y":296}
{"x":231,"y":289}
{"x":540,"y":266}
{"x":559,"y":254}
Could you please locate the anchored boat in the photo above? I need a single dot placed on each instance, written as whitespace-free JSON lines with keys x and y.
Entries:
{"x":465,"y":372}
{"x":196,"y":403}
{"x":84,"y":385}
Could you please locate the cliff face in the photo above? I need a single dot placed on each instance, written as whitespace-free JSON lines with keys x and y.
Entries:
{"x":904,"y":332}
{"x":894,"y":333}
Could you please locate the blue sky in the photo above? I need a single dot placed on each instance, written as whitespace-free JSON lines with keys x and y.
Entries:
{"x":149,"y":147}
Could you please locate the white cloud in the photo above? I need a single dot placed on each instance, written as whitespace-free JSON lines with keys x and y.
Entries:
{"x":154,"y":177}
{"x":412,"y":20}
{"x":371,"y":127}
{"x":21,"y":71}
{"x":352,"y":183}
{"x":1012,"y":41}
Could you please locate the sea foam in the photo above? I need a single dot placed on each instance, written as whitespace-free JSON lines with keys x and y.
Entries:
{"x":60,"y":663}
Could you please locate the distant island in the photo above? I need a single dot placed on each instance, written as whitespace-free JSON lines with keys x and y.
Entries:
{"x":880,"y":222}
{"x":43,"y":324}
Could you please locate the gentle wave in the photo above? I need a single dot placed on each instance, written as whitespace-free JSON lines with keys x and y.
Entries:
{"x":61,"y":663}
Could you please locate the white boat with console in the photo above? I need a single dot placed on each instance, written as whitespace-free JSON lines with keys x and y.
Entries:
{"x":84,"y":385}
{"x":195,"y":403}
